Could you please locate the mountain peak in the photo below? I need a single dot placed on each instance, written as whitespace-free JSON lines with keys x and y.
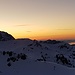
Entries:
{"x":4,"y":36}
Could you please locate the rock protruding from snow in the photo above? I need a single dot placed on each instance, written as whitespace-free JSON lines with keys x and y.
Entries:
{"x":4,"y":36}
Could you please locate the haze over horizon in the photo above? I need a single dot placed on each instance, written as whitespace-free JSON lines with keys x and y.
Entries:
{"x":38,"y":19}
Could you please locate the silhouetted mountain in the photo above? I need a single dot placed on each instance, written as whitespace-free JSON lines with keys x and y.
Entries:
{"x":51,"y":41}
{"x":4,"y":36}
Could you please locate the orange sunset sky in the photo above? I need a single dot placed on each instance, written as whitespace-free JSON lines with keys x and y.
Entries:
{"x":38,"y":19}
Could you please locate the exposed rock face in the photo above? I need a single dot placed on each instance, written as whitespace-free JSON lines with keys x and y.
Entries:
{"x":4,"y":36}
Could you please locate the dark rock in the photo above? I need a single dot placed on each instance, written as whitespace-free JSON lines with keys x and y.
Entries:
{"x":9,"y":64}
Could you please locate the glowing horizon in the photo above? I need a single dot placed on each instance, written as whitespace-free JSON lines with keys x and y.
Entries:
{"x":38,"y":19}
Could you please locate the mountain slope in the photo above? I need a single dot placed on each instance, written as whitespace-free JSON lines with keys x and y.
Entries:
{"x":32,"y":57}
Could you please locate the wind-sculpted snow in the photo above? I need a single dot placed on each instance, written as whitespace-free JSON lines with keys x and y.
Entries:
{"x":19,"y":54}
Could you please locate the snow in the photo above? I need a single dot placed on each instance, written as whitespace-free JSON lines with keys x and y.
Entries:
{"x":36,"y":51}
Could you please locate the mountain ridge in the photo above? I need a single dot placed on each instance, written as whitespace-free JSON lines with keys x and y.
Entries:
{"x":4,"y":36}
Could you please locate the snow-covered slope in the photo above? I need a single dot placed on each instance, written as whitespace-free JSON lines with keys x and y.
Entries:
{"x":32,"y":57}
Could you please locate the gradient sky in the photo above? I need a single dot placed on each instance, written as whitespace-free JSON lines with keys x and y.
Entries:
{"x":38,"y":19}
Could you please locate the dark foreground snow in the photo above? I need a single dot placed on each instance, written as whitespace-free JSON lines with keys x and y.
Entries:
{"x":42,"y":58}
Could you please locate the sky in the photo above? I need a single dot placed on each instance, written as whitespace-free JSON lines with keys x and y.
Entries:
{"x":38,"y":19}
